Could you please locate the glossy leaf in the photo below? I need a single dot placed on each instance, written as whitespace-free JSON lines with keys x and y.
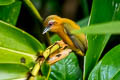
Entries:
{"x":109,"y":66}
{"x":10,"y":12}
{"x":16,"y":46}
{"x":66,"y":69}
{"x":102,"y":11}
{"x":13,"y":71}
{"x":104,"y":28}
{"x":6,"y":2}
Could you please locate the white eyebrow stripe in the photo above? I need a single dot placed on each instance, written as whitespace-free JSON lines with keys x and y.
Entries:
{"x":51,"y":21}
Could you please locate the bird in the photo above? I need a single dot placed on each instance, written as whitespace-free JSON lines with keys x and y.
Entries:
{"x":64,"y":27}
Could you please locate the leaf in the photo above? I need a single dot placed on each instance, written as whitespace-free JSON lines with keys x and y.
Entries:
{"x":13,"y":71}
{"x":66,"y":69}
{"x":10,"y":12}
{"x":117,"y":76}
{"x":102,"y":11}
{"x":12,"y":56}
{"x":83,"y":22}
{"x":109,"y":66}
{"x":40,"y":78}
{"x":6,"y":2}
{"x":104,"y":28}
{"x":55,"y":38}
{"x":16,"y":46}
{"x":45,"y":69}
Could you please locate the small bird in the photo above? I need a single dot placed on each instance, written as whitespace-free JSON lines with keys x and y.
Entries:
{"x":64,"y":27}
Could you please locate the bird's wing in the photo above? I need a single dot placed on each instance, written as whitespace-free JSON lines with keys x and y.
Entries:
{"x":79,"y":40}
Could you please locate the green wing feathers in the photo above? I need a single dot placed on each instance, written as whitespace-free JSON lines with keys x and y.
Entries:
{"x":79,"y":40}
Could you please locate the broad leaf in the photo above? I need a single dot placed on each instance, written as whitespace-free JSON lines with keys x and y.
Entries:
{"x":12,"y":61}
{"x":13,"y":56}
{"x":17,"y":46}
{"x":6,"y":2}
{"x":104,"y":28}
{"x":13,"y":71}
{"x":109,"y":66}
{"x":66,"y":69}
{"x":102,"y":11}
{"x":10,"y":12}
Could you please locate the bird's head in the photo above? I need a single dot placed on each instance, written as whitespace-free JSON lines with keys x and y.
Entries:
{"x":52,"y":23}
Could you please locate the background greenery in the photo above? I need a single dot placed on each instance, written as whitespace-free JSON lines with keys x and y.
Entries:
{"x":19,"y":50}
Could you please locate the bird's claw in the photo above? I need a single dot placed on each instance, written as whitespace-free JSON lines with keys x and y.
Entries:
{"x":61,"y":44}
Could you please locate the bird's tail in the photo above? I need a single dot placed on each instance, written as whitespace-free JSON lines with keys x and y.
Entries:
{"x":79,"y":52}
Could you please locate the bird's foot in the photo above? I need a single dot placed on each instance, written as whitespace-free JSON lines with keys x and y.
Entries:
{"x":62,"y":44}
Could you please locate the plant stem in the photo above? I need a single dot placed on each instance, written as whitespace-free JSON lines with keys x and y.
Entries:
{"x":50,"y":50}
{"x":36,"y":68}
{"x":34,"y":10}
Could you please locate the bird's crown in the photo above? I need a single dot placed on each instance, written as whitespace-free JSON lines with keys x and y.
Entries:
{"x":51,"y":18}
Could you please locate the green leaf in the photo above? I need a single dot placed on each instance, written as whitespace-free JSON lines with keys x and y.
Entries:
{"x":45,"y":69}
{"x":13,"y":71}
{"x":12,"y":56}
{"x":16,"y":46}
{"x":6,"y":2}
{"x":117,"y":76}
{"x":55,"y":38}
{"x":102,"y":11}
{"x":109,"y":66}
{"x":10,"y":12}
{"x":104,"y":28}
{"x":40,"y":78}
{"x":66,"y":69}
{"x":83,"y":22}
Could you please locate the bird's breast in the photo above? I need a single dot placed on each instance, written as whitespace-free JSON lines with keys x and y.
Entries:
{"x":67,"y":39}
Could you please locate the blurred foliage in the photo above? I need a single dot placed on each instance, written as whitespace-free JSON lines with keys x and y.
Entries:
{"x":19,"y":51}
{"x":99,"y":14}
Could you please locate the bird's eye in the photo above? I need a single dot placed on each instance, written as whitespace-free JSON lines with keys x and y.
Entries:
{"x":50,"y":24}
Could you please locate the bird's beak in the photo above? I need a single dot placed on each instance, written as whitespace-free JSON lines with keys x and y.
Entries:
{"x":46,"y":30}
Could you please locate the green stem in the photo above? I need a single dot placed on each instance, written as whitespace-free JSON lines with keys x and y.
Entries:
{"x":33,"y":9}
{"x":50,"y":50}
{"x":36,"y":69}
{"x":35,"y":12}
